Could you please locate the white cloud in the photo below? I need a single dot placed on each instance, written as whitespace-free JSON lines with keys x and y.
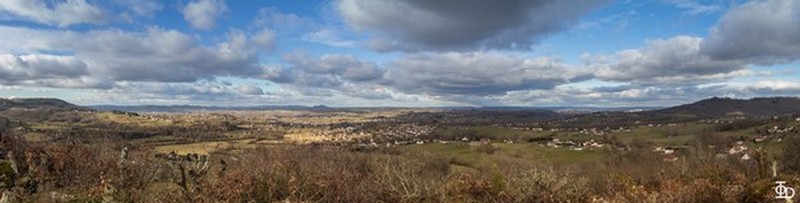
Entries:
{"x":330,"y":37}
{"x":763,"y":32}
{"x":146,"y":8}
{"x":694,"y":7}
{"x":676,"y":60}
{"x":202,"y":14}
{"x":154,"y":55}
{"x":60,"y":13}
{"x":265,"y":39}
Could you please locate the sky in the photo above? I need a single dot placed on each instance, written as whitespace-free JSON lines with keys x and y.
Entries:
{"x":404,"y":53}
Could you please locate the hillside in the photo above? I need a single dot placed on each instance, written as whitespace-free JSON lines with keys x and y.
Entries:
{"x":39,"y":109}
{"x":717,"y":107}
{"x":29,"y":103}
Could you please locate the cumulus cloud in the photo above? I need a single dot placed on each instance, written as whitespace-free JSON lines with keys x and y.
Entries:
{"x":162,"y":55}
{"x":762,"y":32}
{"x":477,"y":73}
{"x":456,"y":24}
{"x":28,"y":67}
{"x":676,"y":60}
{"x":154,"y":55}
{"x":328,"y":71}
{"x":202,"y":14}
{"x":60,"y":13}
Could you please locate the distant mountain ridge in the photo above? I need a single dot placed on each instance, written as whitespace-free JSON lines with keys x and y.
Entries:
{"x":717,"y":107}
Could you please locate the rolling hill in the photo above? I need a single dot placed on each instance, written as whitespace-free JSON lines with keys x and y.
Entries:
{"x":30,"y":103}
{"x":719,"y":107}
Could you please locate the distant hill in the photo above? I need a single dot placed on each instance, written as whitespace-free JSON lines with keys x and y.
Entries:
{"x":40,"y":103}
{"x":191,"y":108}
{"x":718,"y":107}
{"x":40,"y":109}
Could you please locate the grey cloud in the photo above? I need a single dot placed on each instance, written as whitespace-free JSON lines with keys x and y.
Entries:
{"x":763,"y":32}
{"x":82,"y":82}
{"x":677,"y":60}
{"x":477,"y":73}
{"x":14,"y":68}
{"x":197,"y":93}
{"x":409,"y":25}
{"x":327,"y":71}
{"x":60,"y":13}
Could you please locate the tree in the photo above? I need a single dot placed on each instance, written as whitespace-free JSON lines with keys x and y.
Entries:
{"x":791,"y":155}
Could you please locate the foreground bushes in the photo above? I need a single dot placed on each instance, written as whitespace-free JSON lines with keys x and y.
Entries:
{"x":79,"y":172}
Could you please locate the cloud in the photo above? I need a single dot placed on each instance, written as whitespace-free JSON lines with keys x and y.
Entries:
{"x":329,"y":71}
{"x":60,"y":13}
{"x":163,"y":55}
{"x":265,"y":39}
{"x":250,"y":90}
{"x":330,"y":37}
{"x":411,"y":25}
{"x":477,"y":73}
{"x":154,"y":55}
{"x":146,"y":8}
{"x":762,"y":32}
{"x":693,"y":7}
{"x":28,"y":67}
{"x":202,"y":14}
{"x":676,"y":60}
{"x":766,"y":87}
{"x":286,"y":22}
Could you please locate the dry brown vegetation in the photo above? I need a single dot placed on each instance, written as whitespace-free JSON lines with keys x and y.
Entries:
{"x":102,"y":172}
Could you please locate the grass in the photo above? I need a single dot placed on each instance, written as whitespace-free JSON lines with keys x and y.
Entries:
{"x":664,"y":135}
{"x":205,"y":148}
{"x":464,"y":155}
